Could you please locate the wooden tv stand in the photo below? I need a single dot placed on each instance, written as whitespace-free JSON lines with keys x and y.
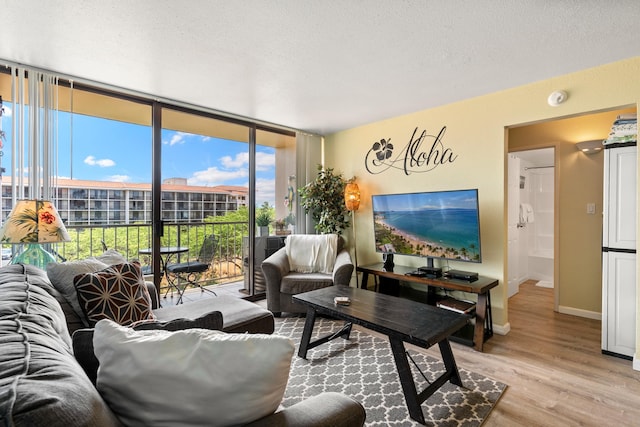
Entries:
{"x":483,"y":328}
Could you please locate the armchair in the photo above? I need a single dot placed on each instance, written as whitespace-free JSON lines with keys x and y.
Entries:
{"x":282,"y":281}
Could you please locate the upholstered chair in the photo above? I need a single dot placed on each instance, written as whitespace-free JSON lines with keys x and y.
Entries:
{"x":283,"y":281}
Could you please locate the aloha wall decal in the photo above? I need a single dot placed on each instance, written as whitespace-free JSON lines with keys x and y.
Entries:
{"x":421,"y":154}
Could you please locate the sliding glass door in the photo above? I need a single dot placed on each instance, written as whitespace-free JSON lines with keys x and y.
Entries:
{"x":135,"y":175}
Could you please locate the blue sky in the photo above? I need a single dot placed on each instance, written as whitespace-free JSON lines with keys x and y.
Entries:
{"x":107,"y":150}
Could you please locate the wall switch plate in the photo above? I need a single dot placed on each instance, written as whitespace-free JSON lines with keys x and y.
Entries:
{"x":591,"y":208}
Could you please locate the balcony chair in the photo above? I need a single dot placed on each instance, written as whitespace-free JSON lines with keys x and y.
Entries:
{"x":285,"y":276}
{"x":186,"y":271}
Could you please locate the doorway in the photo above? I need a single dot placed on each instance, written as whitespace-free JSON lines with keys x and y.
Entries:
{"x":577,"y":249}
{"x":531,"y":192}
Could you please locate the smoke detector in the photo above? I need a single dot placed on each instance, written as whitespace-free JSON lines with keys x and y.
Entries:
{"x":556,"y":98}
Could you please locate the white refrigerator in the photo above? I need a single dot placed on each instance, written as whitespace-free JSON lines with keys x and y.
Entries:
{"x":619,"y":251}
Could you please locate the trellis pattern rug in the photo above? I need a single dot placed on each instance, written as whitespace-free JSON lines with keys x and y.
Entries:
{"x":363,"y":368}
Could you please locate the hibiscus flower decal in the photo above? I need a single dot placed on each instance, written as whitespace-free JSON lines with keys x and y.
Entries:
{"x":383,"y":149}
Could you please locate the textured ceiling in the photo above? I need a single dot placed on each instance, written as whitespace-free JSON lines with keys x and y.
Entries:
{"x":319,"y":66}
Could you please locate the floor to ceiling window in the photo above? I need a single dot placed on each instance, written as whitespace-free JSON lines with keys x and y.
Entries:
{"x":216,"y":175}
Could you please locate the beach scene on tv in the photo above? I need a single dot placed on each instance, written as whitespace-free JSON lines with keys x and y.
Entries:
{"x":441,"y":224}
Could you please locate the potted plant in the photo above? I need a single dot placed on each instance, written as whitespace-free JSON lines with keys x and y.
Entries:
{"x":280,"y":226}
{"x":324,"y":199}
{"x":263,"y":219}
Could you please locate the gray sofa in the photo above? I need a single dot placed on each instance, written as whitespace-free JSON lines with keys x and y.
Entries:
{"x":42,"y":383}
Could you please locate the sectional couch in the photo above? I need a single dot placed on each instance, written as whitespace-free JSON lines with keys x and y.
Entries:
{"x":43,"y":384}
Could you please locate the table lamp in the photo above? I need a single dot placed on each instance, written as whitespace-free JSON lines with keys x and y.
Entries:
{"x":33,"y":222}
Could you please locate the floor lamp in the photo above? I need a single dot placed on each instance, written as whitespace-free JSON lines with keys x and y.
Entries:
{"x":352,"y":202}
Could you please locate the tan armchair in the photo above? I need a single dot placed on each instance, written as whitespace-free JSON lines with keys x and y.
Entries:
{"x":282,"y":283}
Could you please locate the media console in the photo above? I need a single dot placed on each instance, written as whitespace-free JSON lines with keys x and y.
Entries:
{"x":483,"y":328}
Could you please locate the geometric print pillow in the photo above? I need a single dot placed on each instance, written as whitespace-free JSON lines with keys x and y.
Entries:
{"x":117,"y":293}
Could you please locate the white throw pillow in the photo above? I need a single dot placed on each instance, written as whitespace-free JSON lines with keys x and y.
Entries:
{"x":194,"y":377}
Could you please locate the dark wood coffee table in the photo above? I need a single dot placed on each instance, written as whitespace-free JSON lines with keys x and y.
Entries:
{"x":400,"y":319}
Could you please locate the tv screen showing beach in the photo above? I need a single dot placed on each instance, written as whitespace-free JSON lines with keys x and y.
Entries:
{"x":440,"y":224}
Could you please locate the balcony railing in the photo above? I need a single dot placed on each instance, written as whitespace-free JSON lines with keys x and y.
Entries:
{"x":129,"y":239}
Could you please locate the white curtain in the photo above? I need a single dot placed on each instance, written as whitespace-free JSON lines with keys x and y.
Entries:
{"x":34,"y":96}
{"x":309,"y":150}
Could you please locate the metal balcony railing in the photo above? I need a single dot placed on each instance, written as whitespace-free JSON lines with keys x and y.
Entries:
{"x":129,"y":239}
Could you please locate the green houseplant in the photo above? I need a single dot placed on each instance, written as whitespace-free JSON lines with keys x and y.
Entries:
{"x":324,"y":199}
{"x":263,"y":219}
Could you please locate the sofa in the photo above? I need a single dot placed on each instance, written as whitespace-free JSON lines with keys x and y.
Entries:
{"x":238,"y":315}
{"x":42,"y":383}
{"x":284,"y":278}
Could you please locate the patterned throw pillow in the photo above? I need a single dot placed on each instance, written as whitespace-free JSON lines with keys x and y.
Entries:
{"x":117,"y":293}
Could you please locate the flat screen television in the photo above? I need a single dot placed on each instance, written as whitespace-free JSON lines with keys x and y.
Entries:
{"x":435,"y":224}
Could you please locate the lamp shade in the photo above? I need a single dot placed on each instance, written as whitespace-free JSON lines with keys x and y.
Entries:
{"x":352,"y":196}
{"x":34,"y":221}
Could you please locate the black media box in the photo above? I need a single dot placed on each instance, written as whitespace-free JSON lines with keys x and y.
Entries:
{"x":469,"y":276}
{"x":431,"y":272}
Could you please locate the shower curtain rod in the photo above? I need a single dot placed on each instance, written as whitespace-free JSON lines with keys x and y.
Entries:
{"x":538,"y":167}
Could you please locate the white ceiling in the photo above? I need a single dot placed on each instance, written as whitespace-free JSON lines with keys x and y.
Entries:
{"x":318,"y":66}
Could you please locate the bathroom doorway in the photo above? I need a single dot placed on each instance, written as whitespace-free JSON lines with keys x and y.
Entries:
{"x":531,"y":192}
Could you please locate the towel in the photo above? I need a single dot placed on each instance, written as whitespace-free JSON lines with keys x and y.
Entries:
{"x":312,"y":253}
{"x":526,"y":213}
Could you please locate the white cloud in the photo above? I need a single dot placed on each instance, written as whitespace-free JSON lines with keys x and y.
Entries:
{"x":214,"y":176}
{"x":265,"y":191}
{"x":119,"y":178}
{"x":181,"y":138}
{"x":177,"y":138}
{"x":264,"y":161}
{"x":103,"y":163}
{"x":239,"y":161}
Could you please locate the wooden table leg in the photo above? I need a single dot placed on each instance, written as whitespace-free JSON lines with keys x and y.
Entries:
{"x":481,"y":314}
{"x":406,"y":380}
{"x":365,"y":279}
{"x":449,"y":362}
{"x":305,"y":341}
{"x":412,"y":398}
{"x":306,"y":332}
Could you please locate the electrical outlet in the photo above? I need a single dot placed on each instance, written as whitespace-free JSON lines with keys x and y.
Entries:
{"x":591,"y":208}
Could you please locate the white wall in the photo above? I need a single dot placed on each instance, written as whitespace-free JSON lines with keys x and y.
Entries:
{"x":540,"y":232}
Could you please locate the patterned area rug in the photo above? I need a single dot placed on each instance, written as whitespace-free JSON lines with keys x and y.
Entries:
{"x":363,"y":368}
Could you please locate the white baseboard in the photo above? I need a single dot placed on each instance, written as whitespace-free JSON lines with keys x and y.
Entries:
{"x":502,"y":329}
{"x":636,"y":363}
{"x":579,"y":312}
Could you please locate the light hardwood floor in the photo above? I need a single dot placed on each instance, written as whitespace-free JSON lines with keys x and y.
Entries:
{"x":552,"y":364}
{"x":554,"y":369}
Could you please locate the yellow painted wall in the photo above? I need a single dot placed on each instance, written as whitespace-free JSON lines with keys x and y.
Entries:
{"x":476,"y":131}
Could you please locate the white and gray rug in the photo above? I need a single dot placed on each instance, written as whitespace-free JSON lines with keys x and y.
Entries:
{"x":363,"y":368}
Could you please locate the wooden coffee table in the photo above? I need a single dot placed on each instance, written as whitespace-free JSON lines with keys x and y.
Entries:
{"x":400,"y":319}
